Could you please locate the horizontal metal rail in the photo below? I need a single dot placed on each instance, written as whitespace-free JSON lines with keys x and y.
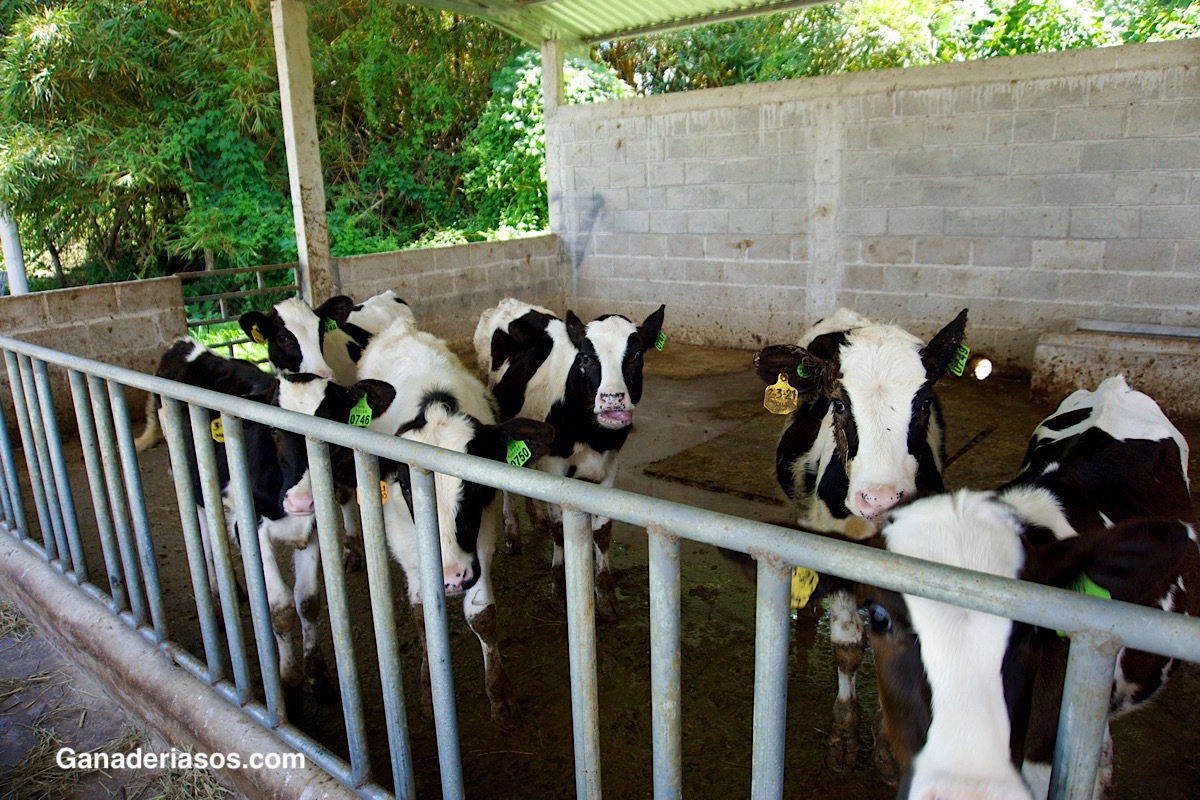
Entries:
{"x":1096,"y":626}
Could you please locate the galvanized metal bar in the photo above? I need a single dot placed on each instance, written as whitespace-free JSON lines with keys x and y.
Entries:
{"x":581,"y":638}
{"x":252,"y":566}
{"x":102,"y":413}
{"x":329,"y":534}
{"x":218,"y":535}
{"x":181,"y":471}
{"x":95,"y":471}
{"x":383,"y":614}
{"x":437,"y":632}
{"x":37,"y":427}
{"x":137,"y":505}
{"x":58,"y":464}
{"x":665,"y":659}
{"x":1083,"y":716}
{"x":772,"y":627}
{"x":15,"y":504}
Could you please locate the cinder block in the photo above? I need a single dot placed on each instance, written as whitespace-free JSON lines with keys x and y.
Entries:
{"x":1037,"y":222}
{"x":884,"y":250}
{"x":1138,"y":255}
{"x":896,"y":193}
{"x":1096,"y":288}
{"x":1150,"y":120}
{"x":956,"y":130}
{"x":1175,"y":222}
{"x":863,"y":222}
{"x":974,"y":221}
{"x":1052,"y":93}
{"x":1001,"y":252}
{"x":757,"y":221}
{"x":669,"y":222}
{"x":1176,"y":154}
{"x":1026,"y":284}
{"x":979,"y":161}
{"x":667,"y":173}
{"x":87,"y":302}
{"x":685,"y":247}
{"x":968,"y":282}
{"x":1152,"y":188}
{"x":986,"y":97}
{"x":895,"y":134}
{"x":790,"y":222}
{"x":628,"y":175}
{"x":924,"y":102}
{"x":1107,"y":222}
{"x":708,"y":221}
{"x":1079,"y":190}
{"x":631,"y":222}
{"x":914,"y":162}
{"x":1163,"y":368}
{"x":704,"y":172}
{"x":941,"y":250}
{"x":918,"y":221}
{"x":1067,"y":254}
{"x":729,"y":196}
{"x":1159,"y":291}
{"x":1118,"y":156}
{"x":1044,"y":158}
{"x":1187,"y":258}
{"x":1033,"y":126}
{"x":647,"y":246}
{"x":1094,"y":122}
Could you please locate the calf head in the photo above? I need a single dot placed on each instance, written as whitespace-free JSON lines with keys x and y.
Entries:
{"x":293,"y":333}
{"x":872,"y":389}
{"x":957,"y":686}
{"x":608,"y":366}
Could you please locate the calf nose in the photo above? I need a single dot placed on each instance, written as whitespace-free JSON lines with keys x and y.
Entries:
{"x":876,"y":500}
{"x":615,"y":398}
{"x":299,"y":503}
{"x":456,"y":578}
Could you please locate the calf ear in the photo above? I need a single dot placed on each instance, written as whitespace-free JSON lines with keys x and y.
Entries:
{"x":1136,"y":560}
{"x":257,"y":326}
{"x":379,"y":394}
{"x":804,"y":370}
{"x":650,"y":328}
{"x":937,"y":355}
{"x":269,"y":395}
{"x":336,"y":308}
{"x":576,"y":330}
{"x":491,"y":441}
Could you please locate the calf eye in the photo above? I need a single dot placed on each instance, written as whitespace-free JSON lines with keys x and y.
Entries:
{"x":927,"y":404}
{"x":881,"y":621}
{"x":584,"y":359}
{"x":838,"y":407}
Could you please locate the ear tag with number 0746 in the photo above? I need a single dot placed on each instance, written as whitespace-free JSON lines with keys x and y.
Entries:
{"x":781,"y":397}
{"x":360,"y":415}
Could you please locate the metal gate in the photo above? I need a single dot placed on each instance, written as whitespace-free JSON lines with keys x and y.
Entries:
{"x":128,"y":583}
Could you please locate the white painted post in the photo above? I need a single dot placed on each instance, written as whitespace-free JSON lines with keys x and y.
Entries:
{"x":553,"y":96}
{"x":14,"y":259}
{"x":289,"y":19}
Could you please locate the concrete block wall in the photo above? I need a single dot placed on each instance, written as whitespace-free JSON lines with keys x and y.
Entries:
{"x":123,"y":324}
{"x":1033,"y":190}
{"x":448,"y":287}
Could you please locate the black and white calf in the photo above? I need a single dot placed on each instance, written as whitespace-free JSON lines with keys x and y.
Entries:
{"x":344,"y":344}
{"x":1103,"y":495}
{"x":867,"y":433}
{"x":277,"y":465}
{"x":293,"y":333}
{"x":438,"y":402}
{"x":585,"y":381}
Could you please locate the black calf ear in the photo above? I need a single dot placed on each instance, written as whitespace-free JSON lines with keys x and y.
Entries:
{"x":1135,"y":560}
{"x":941,"y":350}
{"x":499,"y":442}
{"x":650,"y":328}
{"x":379,"y":394}
{"x":575,"y":328}
{"x":336,"y":308}
{"x":257,"y":326}
{"x":268,"y":395}
{"x":804,"y":370}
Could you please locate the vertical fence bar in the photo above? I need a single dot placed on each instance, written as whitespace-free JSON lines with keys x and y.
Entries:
{"x":95,"y":471}
{"x":58,"y":465}
{"x":7,"y":515}
{"x":383,"y":613}
{"x":41,"y":452}
{"x":1083,"y":716}
{"x":137,"y":505}
{"x":329,"y":529}
{"x":181,"y":471}
{"x":252,"y":565}
{"x":665,"y":660}
{"x":772,"y":625}
{"x":437,"y":632}
{"x":102,"y":413}
{"x":581,"y":636}
{"x":214,"y":511}
{"x":12,"y":488}
{"x":17,"y":386}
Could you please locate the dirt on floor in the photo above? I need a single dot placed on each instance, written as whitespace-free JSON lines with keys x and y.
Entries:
{"x":701,"y":437}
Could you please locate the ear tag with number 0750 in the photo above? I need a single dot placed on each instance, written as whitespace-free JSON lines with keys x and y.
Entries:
{"x":781,"y":397}
{"x":360,"y":415}
{"x":959,"y":362}
{"x":518,"y":453}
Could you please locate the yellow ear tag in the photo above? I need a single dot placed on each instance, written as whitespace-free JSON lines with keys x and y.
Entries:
{"x":383,"y":497}
{"x":781,"y":397}
{"x":804,"y":583}
{"x":256,"y":335}
{"x":217,"y":429}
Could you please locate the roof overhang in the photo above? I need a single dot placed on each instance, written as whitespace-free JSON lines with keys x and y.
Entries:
{"x":580,"y":23}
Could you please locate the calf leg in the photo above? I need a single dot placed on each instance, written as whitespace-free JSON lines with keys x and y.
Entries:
{"x":418,"y":614}
{"x":283,"y":612}
{"x":352,"y":546}
{"x":606,"y":587}
{"x":306,"y":594}
{"x":480,"y":611}
{"x":512,"y":527}
{"x":846,"y":635}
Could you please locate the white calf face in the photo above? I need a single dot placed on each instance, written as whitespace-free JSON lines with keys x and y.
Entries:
{"x":301,"y":337}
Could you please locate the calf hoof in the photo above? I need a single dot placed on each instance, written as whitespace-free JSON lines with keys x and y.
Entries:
{"x":505,"y":711}
{"x":319,"y":681}
{"x":512,"y":547}
{"x":885,"y":762}
{"x":606,"y":598}
{"x":352,"y":559}
{"x":843,"y":740}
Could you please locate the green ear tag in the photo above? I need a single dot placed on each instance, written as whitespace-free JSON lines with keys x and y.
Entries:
{"x":660,"y":341}
{"x":1085,"y":585}
{"x":804,"y":371}
{"x":960,"y":360}
{"x":331,"y":325}
{"x":518,"y":453}
{"x":360,"y":415}
{"x":256,"y":335}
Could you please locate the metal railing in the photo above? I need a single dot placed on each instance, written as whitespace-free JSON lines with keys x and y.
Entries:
{"x":197,"y":319}
{"x":129,"y":584}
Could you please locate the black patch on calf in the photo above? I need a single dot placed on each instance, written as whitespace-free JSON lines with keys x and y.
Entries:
{"x":1060,"y":422}
{"x":798,"y":437}
{"x":525,"y":346}
{"x":942,"y":348}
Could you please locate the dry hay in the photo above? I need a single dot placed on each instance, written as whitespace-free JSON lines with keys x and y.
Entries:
{"x":12,"y":624}
{"x":38,"y":776}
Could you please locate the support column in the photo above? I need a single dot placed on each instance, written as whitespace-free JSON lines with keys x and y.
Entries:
{"x":289,"y":18}
{"x":553,"y":96}
{"x":14,"y":259}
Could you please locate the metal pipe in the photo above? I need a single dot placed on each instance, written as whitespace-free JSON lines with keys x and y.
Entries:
{"x":1083,"y":716}
{"x":218,"y":535}
{"x":6,"y":507}
{"x":58,"y":464}
{"x":252,"y":565}
{"x":772,"y":627}
{"x":95,"y":472}
{"x":383,"y":614}
{"x":581,"y":638}
{"x":665,"y":660}
{"x":329,"y":535}
{"x":437,"y":632}
{"x":15,"y":508}
{"x":181,"y":472}
{"x":37,"y":426}
{"x":102,"y":413}
{"x":137,"y":505}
